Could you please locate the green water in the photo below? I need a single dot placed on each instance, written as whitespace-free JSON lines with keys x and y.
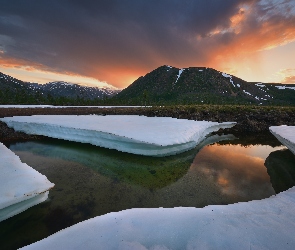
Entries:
{"x":91,"y":181}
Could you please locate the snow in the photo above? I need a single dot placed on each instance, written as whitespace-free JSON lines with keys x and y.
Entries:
{"x":246,"y":92}
{"x":230,"y":78}
{"x":285,"y":87}
{"x":260,"y":84}
{"x":169,"y":67}
{"x":155,"y":136}
{"x":286,"y":135}
{"x":20,"y":185}
{"x":259,"y":224}
{"x":179,"y":74}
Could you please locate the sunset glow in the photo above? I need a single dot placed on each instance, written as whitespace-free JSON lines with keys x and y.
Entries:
{"x":99,"y":43}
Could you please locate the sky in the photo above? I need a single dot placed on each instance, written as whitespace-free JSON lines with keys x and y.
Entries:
{"x":113,"y":42}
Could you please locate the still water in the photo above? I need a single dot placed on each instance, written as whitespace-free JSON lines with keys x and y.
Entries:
{"x":91,"y":181}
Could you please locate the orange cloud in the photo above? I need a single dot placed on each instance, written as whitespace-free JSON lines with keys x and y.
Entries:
{"x":289,"y":79}
{"x":245,"y":38}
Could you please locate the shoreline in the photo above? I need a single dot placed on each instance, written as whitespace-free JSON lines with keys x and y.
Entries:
{"x":250,"y":119}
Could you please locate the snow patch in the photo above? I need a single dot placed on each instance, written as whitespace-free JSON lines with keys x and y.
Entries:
{"x":285,"y":87}
{"x":155,"y":136}
{"x":258,"y":224}
{"x":179,"y":74}
{"x":286,"y":135}
{"x":169,"y":67}
{"x":260,"y":85}
{"x":230,"y":78}
{"x":20,"y":185}
{"x":247,"y":92}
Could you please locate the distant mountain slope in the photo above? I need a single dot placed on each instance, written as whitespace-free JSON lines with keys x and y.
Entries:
{"x":14,"y":91}
{"x":196,"y":85}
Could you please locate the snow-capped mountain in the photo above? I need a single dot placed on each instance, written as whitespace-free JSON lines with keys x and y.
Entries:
{"x":71,"y":90}
{"x":13,"y":91}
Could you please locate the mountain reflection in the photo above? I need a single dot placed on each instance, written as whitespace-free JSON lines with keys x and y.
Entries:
{"x":281,"y":169}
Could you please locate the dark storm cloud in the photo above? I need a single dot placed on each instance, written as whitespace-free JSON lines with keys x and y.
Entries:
{"x":92,"y":37}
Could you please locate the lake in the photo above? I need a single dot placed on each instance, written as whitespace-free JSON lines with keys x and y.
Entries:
{"x":91,"y":181}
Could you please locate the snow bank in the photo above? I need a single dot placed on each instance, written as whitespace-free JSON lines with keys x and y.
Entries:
{"x":20,"y":185}
{"x":286,"y":135}
{"x":155,"y":136}
{"x":262,"y":224}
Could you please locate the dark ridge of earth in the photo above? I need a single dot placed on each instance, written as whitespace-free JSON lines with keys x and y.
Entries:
{"x":249,"y":119}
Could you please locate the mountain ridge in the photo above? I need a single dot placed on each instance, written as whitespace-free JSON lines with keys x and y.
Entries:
{"x":198,"y":85}
{"x":14,"y":91}
{"x":165,"y":85}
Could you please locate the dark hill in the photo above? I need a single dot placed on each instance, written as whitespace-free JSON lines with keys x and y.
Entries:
{"x":197,"y":85}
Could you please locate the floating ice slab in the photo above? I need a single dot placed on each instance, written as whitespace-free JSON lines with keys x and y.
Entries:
{"x":155,"y":136}
{"x":20,"y":185}
{"x":286,"y":135}
{"x":262,"y":224}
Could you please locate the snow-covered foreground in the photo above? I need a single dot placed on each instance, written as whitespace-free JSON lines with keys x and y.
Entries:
{"x":154,"y":136}
{"x":20,"y":185}
{"x":263,"y":224}
{"x":286,"y":135}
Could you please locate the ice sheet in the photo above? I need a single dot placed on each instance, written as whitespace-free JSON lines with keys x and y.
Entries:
{"x":262,"y":224}
{"x":286,"y":135}
{"x":155,"y":136}
{"x":18,"y":182}
{"x":19,"y":207}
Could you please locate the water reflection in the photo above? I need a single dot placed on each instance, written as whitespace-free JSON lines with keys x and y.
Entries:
{"x":236,"y":170}
{"x":281,"y":169}
{"x":91,"y":181}
{"x":149,"y":172}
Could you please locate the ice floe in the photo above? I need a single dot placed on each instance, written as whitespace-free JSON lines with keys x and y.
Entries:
{"x":20,"y":185}
{"x":155,"y":136}
{"x":286,"y":135}
{"x":259,"y":224}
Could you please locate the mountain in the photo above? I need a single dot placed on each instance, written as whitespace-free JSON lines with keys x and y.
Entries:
{"x":197,"y":85}
{"x":14,"y":91}
{"x":162,"y":86}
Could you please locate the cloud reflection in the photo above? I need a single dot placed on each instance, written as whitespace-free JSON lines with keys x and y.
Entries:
{"x":234,"y":171}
